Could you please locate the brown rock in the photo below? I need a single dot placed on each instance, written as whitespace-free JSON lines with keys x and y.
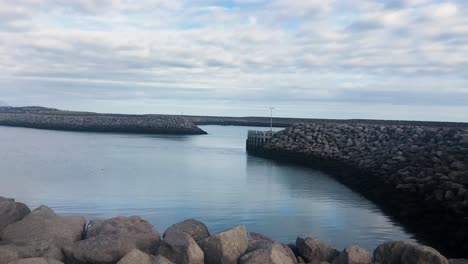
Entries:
{"x":36,"y":261}
{"x":225,"y":247}
{"x":44,"y":225}
{"x":11,"y":211}
{"x":273,"y":254}
{"x":179,"y":247}
{"x":313,"y":249}
{"x":112,"y":239}
{"x":401,"y":252}
{"x":196,"y":229}
{"x":136,"y":257}
{"x":353,"y":255}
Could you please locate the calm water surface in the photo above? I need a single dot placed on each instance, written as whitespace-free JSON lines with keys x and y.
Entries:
{"x":166,"y":179}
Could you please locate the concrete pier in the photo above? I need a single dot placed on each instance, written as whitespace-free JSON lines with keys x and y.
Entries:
{"x":256,"y":139}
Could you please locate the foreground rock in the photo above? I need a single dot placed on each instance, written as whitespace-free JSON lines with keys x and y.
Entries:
{"x":37,"y":261}
{"x":43,"y":224}
{"x":353,"y":255}
{"x":179,"y":247}
{"x":10,"y":212}
{"x":14,"y":251}
{"x":273,"y":253}
{"x":112,"y":239}
{"x":196,"y":229}
{"x":311,"y":249}
{"x":258,"y":241}
{"x":138,"y":257}
{"x":225,"y":247}
{"x":400,"y":252}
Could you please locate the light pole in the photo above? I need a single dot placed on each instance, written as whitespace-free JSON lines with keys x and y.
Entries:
{"x":271,"y":119}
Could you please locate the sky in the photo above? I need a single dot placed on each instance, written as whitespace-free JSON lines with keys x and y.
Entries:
{"x":379,"y":59}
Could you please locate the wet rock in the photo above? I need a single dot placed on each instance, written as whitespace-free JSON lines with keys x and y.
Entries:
{"x":312,"y":249}
{"x":353,"y":255}
{"x":196,"y":229}
{"x":112,"y":239}
{"x":225,"y":247}
{"x":11,"y":211}
{"x":37,"y":261}
{"x":43,"y":224}
{"x":401,"y":252}
{"x":180,"y":247}
{"x":273,"y":254}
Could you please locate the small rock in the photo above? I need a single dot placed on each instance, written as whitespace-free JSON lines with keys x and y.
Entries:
{"x":353,"y":255}
{"x":313,"y":249}
{"x":161,"y":260}
{"x":458,"y":165}
{"x":401,"y":252}
{"x":196,"y":229}
{"x":181,"y":248}
{"x":225,"y":247}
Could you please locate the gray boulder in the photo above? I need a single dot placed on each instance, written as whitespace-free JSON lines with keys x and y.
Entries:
{"x":36,"y":261}
{"x":312,"y":249}
{"x":225,"y":247}
{"x":196,"y":229}
{"x":11,"y":211}
{"x":179,"y":247}
{"x":161,"y":260}
{"x":401,"y":252}
{"x":43,"y":224}
{"x":273,"y":254}
{"x":458,"y":261}
{"x":259,"y":241}
{"x":15,"y":251}
{"x":136,"y":257}
{"x":353,"y":255}
{"x":112,"y":239}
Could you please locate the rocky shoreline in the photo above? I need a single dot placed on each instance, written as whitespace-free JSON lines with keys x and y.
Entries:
{"x":47,"y":118}
{"x":43,"y":237}
{"x":417,"y":174}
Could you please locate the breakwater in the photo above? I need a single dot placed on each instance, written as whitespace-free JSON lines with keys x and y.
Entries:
{"x":417,"y":174}
{"x":41,"y":236}
{"x":46,"y":118}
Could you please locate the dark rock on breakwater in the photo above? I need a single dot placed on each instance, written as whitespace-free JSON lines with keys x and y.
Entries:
{"x":132,"y":240}
{"x":48,"y":118}
{"x":418,"y":174}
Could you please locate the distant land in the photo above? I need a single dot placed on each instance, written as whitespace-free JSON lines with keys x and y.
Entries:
{"x":233,"y":121}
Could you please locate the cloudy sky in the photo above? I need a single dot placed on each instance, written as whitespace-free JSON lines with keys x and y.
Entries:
{"x":391,"y":59}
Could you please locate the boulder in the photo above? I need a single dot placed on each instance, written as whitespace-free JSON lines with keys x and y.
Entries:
{"x":353,"y":255}
{"x":161,"y":260}
{"x":43,"y":224}
{"x":180,"y":247}
{"x":196,"y":229}
{"x":458,"y":261}
{"x":11,"y":211}
{"x":312,"y":249}
{"x":273,"y":254}
{"x":112,"y":239}
{"x":225,"y":247}
{"x":259,"y":241}
{"x":15,"y":251}
{"x":136,"y":257}
{"x":401,"y":252}
{"x":36,"y":261}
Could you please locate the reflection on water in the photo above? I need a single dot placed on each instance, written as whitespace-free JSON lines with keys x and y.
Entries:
{"x":166,"y":179}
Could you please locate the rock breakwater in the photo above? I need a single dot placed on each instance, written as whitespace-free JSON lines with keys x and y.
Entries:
{"x":45,"y":118}
{"x":42,"y":237}
{"x":417,"y":174}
